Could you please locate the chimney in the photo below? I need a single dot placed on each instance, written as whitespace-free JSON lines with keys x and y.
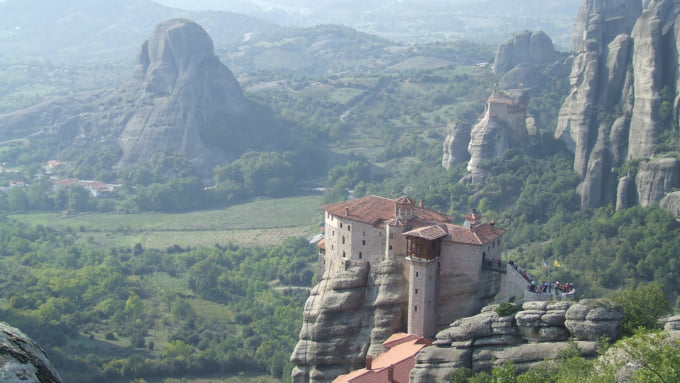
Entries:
{"x":346,"y":212}
{"x":369,"y":362}
{"x":421,"y":203}
{"x":390,"y":374}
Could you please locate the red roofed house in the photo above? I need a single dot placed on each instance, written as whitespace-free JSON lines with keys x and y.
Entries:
{"x":392,"y":366}
{"x":446,"y":265}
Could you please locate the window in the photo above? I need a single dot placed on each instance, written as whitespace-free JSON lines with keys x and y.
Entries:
{"x":363,"y":242}
{"x":416,"y":291}
{"x":349,"y":227}
{"x":343,"y":254}
{"x":364,"y":233}
{"x":333,"y":232}
{"x":415,"y":308}
{"x":343,"y":239}
{"x":390,"y":247}
{"x":416,"y":274}
{"x":360,"y":255}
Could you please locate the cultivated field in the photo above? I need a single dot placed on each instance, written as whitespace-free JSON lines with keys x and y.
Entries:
{"x":259,"y":223}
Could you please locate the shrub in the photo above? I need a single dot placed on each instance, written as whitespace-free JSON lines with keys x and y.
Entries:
{"x":504,"y":309}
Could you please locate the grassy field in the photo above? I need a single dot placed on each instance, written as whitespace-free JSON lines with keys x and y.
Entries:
{"x":259,"y":223}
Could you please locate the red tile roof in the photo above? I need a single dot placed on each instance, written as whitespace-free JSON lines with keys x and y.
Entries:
{"x":400,"y":358}
{"x":373,"y":209}
{"x":479,"y":234}
{"x":428,"y":232}
{"x":321,"y":244}
{"x":398,"y":338}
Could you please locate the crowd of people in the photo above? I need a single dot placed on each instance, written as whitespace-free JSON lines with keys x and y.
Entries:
{"x":543,"y":287}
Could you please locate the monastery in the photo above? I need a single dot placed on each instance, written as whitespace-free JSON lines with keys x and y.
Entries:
{"x":452,"y":270}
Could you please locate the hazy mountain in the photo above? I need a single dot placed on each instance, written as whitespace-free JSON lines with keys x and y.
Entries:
{"x":413,"y":20}
{"x":180,"y":100}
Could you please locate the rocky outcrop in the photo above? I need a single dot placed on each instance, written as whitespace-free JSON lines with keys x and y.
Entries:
{"x":525,"y":47}
{"x":671,"y":202}
{"x":22,"y":360}
{"x":181,"y":100}
{"x":503,"y":126}
{"x":540,"y":331}
{"x":656,"y":178}
{"x":455,"y":144}
{"x":648,"y":67}
{"x":527,"y":62}
{"x":179,"y":88}
{"x":623,"y":98}
{"x":347,"y":317}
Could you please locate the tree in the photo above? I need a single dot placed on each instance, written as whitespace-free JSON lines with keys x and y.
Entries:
{"x":17,"y":200}
{"x":78,"y":198}
{"x":642,"y":306}
{"x":653,"y":357}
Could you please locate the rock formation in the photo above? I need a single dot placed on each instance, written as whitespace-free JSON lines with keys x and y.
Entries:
{"x":540,"y":331}
{"x":524,"y":47}
{"x":22,"y":360}
{"x":455,"y":144}
{"x":623,"y":99}
{"x":181,"y":100}
{"x":179,"y":87}
{"x":503,"y":126}
{"x":526,"y":61}
{"x":347,"y":317}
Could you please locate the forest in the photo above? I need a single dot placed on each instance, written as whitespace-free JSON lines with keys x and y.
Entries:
{"x":135,"y":313}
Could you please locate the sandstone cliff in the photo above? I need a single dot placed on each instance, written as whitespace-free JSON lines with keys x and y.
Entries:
{"x":181,"y":100}
{"x":524,"y":47}
{"x":22,"y":360}
{"x":623,"y":100}
{"x":526,"y":62}
{"x":540,"y":331}
{"x":347,"y":317}
{"x":503,"y":126}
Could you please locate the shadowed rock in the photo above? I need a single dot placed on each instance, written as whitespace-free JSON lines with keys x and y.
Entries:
{"x":22,"y":360}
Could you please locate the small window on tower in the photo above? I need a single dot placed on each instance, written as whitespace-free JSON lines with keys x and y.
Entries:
{"x":416,"y":291}
{"x":363,"y":242}
{"x":415,"y":308}
{"x":343,"y":254}
{"x":341,"y":225}
{"x":343,"y":239}
{"x":390,"y":247}
{"x":349,"y":227}
{"x":416,"y":274}
{"x":360,"y":255}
